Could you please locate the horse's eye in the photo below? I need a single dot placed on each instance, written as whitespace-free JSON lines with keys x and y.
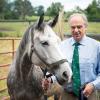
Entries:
{"x":44,"y":43}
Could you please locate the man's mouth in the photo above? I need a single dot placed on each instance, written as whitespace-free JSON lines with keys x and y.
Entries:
{"x":77,"y":34}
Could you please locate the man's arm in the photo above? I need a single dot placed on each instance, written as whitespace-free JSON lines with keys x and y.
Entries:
{"x":90,"y":87}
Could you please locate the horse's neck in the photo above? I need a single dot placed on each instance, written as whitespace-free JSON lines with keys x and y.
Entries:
{"x":25,"y":66}
{"x":34,"y":79}
{"x":22,"y":65}
{"x":30,"y":74}
{"x":22,"y":61}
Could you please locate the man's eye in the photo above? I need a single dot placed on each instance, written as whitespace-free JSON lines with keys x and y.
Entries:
{"x":44,"y":43}
{"x":73,"y":27}
{"x":80,"y":26}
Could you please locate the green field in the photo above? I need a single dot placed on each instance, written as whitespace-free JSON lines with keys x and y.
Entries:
{"x":16,"y":29}
{"x":12,"y":29}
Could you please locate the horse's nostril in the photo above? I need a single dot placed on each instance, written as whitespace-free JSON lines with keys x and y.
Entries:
{"x":65,"y":74}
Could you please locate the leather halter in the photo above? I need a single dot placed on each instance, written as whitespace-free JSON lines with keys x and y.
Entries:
{"x":53,"y":65}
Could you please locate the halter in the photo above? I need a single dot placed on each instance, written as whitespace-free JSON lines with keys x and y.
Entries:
{"x":53,"y":65}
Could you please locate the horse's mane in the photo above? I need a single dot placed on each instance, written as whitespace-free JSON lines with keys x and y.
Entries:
{"x":24,"y":41}
{"x":21,"y":54}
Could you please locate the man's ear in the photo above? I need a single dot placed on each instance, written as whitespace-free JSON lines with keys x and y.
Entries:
{"x":53,"y":22}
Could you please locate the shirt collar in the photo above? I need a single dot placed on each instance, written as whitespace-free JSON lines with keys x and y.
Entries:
{"x":82,"y":42}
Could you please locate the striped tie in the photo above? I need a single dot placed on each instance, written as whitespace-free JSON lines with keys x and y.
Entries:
{"x":76,"y":70}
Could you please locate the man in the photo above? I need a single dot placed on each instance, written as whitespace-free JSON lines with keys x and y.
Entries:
{"x":88,"y":64}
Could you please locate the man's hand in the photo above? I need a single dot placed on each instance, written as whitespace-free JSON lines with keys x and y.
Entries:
{"x":89,"y":88}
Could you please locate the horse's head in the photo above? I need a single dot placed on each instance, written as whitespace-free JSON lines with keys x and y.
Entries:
{"x":44,"y":50}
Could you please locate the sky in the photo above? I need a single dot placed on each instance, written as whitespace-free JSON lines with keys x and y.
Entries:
{"x":68,"y":4}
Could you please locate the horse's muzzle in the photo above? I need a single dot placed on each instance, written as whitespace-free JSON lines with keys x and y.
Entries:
{"x":64,"y":78}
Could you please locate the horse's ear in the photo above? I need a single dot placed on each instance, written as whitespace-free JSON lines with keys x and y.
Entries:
{"x":54,"y":21}
{"x":40,"y":21}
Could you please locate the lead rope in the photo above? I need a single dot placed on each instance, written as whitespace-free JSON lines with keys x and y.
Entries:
{"x":46,"y":76}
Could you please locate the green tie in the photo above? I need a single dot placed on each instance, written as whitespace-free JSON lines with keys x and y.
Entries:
{"x":76,"y":70}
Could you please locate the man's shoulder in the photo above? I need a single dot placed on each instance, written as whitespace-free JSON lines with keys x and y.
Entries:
{"x":66,"y":41}
{"x":91,"y":40}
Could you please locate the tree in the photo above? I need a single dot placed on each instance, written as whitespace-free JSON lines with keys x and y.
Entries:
{"x":98,"y":6}
{"x":98,"y":3}
{"x":93,"y":11}
{"x":39,"y":10}
{"x":9,"y":13}
{"x":2,"y":8}
{"x":23,"y":8}
{"x":18,"y":8}
{"x":78,"y":10}
{"x":54,"y":9}
{"x":28,"y":9}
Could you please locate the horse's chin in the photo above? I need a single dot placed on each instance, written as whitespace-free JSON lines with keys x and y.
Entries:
{"x":61,"y":81}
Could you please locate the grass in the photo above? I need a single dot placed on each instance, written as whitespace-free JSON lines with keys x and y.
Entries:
{"x":3,"y":84}
{"x":16,"y":29}
{"x":94,"y":27}
{"x":3,"y":73}
{"x":5,"y":46}
{"x":3,"y":94}
{"x":37,"y":17}
{"x":12,"y":29}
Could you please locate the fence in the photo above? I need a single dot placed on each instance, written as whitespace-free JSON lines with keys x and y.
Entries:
{"x":13,"y":48}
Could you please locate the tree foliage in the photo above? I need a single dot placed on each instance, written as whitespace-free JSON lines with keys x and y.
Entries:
{"x":93,"y":11}
{"x":54,"y":9}
{"x":39,"y":10}
{"x":23,"y":8}
{"x":3,"y":4}
{"x":19,"y":9}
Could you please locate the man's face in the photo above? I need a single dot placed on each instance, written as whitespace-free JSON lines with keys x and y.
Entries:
{"x":78,"y":27}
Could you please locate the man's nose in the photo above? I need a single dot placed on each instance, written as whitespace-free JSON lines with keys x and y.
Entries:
{"x":76,"y":29}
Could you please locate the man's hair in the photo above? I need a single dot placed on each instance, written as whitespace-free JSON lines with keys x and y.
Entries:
{"x":83,"y":16}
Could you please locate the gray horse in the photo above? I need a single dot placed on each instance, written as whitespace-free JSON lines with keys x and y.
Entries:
{"x":38,"y":50}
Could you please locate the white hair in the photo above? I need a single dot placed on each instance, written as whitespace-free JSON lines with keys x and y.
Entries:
{"x":83,"y":16}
